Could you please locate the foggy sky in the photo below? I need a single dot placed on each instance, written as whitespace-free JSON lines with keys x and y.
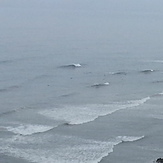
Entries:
{"x":41,"y":20}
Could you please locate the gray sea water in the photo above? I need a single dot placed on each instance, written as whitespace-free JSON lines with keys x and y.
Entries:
{"x":81,"y":81}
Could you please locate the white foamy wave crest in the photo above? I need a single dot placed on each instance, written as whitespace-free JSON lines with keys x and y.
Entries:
{"x":138,"y":102}
{"x":128,"y":138}
{"x":66,"y":150}
{"x":28,"y":129}
{"x":100,"y":84}
{"x":87,"y":113}
{"x":78,"y":114}
{"x":74,"y":65}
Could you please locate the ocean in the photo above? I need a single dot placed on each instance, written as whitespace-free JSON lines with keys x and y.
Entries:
{"x":81,"y":81}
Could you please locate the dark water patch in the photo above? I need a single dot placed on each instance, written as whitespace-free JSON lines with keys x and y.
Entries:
{"x":159,"y":160}
{"x":157,"y":95}
{"x":68,"y":95}
{"x":3,"y":90}
{"x":120,"y":73}
{"x":5,"y":61}
{"x":10,"y":159}
{"x":158,"y":82}
{"x":147,"y":71}
{"x":67,"y":124}
{"x":11,"y":111}
{"x":7,"y":113}
{"x":14,"y":87}
{"x":71,"y":66}
{"x":11,"y":88}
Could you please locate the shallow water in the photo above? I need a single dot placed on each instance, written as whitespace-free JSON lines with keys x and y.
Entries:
{"x":81,"y":81}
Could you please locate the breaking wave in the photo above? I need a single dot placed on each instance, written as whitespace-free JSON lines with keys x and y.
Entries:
{"x":84,"y":114}
{"x":128,"y":138}
{"x":97,"y":85}
{"x":75,"y":65}
{"x":147,"y":71}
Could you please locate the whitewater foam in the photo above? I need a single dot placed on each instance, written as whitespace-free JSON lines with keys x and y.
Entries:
{"x":67,"y":150}
{"x":86,"y":113}
{"x":77,"y":65}
{"x":128,"y":138}
{"x":139,"y":102}
{"x":28,"y":129}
